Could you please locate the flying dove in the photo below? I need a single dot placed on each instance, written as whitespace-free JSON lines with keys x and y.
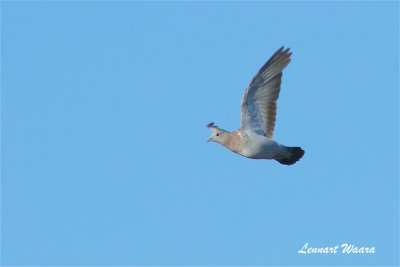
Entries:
{"x":254,"y":138}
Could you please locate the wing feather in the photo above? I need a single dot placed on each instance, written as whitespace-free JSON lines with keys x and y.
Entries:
{"x":259,"y":99}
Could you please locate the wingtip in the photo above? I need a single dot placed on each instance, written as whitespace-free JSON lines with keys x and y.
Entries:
{"x":211,"y":124}
{"x":283,"y":49}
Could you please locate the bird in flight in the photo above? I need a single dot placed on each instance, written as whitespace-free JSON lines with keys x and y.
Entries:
{"x":254,"y":138}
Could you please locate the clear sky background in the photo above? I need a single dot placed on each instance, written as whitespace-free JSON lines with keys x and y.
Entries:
{"x":104,"y":159}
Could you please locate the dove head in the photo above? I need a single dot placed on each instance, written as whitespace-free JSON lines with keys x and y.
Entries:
{"x":217,"y":134}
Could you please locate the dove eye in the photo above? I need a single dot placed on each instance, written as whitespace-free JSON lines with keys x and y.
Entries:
{"x":217,"y":134}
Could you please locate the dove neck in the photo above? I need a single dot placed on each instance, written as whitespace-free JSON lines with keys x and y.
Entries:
{"x":231,"y":140}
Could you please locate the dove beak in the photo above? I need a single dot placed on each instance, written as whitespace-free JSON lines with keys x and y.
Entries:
{"x":209,"y":140}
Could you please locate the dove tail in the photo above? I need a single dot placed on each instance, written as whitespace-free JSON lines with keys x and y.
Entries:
{"x":294,"y":154}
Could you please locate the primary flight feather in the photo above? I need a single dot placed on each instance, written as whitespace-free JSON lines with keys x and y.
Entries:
{"x":254,"y":137}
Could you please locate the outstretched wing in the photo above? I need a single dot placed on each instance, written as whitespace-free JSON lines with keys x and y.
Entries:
{"x":259,"y":99}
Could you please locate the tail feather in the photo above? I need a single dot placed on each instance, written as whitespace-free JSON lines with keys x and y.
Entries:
{"x":295,"y":153}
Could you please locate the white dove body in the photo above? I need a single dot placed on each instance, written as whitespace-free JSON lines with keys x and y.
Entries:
{"x":259,"y":103}
{"x":256,"y":146}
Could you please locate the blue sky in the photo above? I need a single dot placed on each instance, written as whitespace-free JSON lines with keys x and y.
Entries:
{"x":104,"y":159}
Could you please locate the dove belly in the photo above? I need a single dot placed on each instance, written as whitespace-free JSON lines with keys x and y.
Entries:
{"x":260,"y":147}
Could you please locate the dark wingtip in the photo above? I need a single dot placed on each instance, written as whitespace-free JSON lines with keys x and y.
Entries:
{"x":211,"y":124}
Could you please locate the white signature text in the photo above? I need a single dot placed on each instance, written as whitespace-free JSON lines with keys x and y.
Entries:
{"x":344,"y":249}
